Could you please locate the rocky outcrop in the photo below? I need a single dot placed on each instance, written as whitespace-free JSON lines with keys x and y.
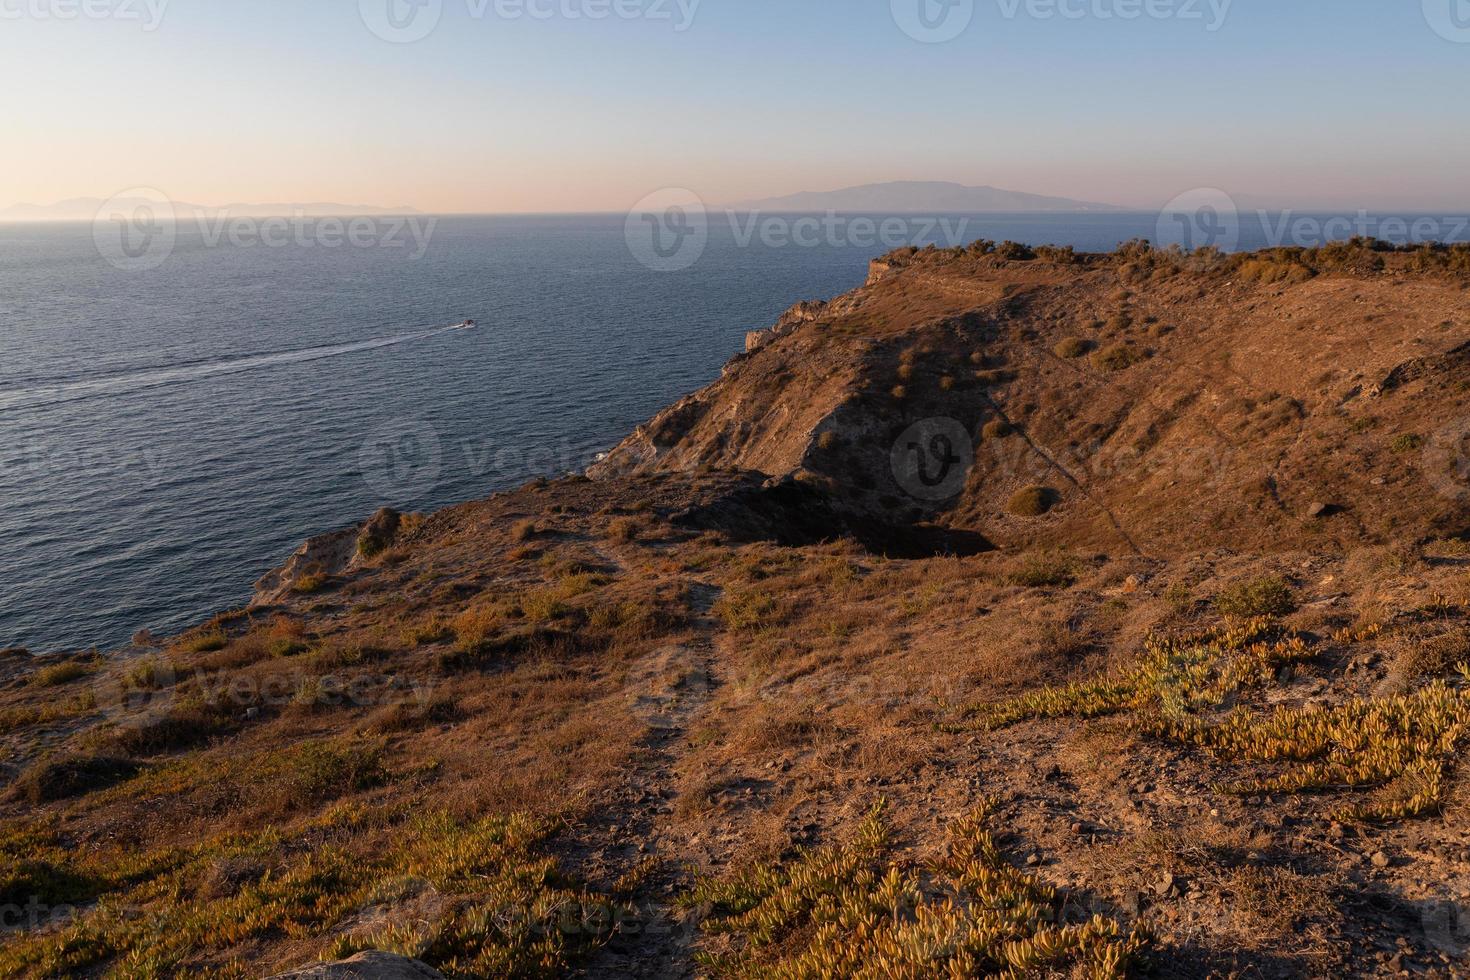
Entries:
{"x":323,"y":555}
{"x":804,"y":312}
{"x":1215,"y":407}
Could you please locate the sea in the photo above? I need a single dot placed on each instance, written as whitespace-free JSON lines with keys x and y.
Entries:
{"x":180,"y":410}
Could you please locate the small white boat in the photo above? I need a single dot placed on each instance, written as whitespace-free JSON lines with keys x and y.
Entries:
{"x":466,"y":325}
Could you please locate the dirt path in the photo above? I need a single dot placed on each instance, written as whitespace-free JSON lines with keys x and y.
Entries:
{"x":671,"y":689}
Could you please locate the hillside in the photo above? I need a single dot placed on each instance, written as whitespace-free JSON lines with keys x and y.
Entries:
{"x":1017,"y":611}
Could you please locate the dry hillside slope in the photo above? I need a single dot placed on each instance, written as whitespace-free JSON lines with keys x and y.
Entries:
{"x":1017,"y":614}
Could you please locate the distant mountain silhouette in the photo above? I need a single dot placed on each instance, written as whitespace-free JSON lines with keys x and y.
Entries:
{"x":86,"y":208}
{"x":922,"y":196}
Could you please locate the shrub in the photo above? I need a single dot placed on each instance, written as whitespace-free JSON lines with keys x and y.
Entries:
{"x":64,"y":777}
{"x":623,"y":529}
{"x":746,"y":610}
{"x":1073,"y":347}
{"x":1407,"y":443}
{"x":316,"y":772}
{"x":1045,"y":570}
{"x":181,"y":728}
{"x":1014,"y":251}
{"x":541,"y":605}
{"x":435,"y":629}
{"x":309,"y":583}
{"x":899,"y":393}
{"x":1032,"y":501}
{"x":57,"y":674}
{"x":473,"y":627}
{"x":378,"y":533}
{"x":1118,"y":357}
{"x":1179,"y":596}
{"x":997,"y":429}
{"x":206,"y":641}
{"x":998,"y":376}
{"x":523,"y":531}
{"x":1268,"y":596}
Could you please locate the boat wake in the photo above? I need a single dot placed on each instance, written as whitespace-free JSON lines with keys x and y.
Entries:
{"x":132,"y":381}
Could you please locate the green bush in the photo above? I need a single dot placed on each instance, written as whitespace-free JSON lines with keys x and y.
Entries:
{"x":1032,"y":501}
{"x":1268,"y":596}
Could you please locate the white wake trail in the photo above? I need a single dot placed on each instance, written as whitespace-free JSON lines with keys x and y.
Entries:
{"x":56,"y":394}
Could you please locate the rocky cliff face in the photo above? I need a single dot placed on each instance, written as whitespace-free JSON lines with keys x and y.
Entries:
{"x":1163,"y":407}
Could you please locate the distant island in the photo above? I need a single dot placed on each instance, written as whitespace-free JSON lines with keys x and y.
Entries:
{"x":921,"y":196}
{"x":86,"y":209}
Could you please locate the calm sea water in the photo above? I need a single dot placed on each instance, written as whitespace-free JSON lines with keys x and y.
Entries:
{"x":168,"y":434}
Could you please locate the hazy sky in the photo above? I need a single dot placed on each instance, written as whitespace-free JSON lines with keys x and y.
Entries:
{"x":1306,"y":103}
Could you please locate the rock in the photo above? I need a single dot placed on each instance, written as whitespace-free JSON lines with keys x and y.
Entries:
{"x":366,"y":966}
{"x":1078,"y":828}
{"x":379,"y":531}
{"x":1318,"y":508}
{"x":1380,"y":860}
{"x":1033,"y":859}
{"x":804,"y":312}
{"x":15,"y":652}
{"x":1131,"y":584}
{"x":325,"y":554}
{"x":1164,"y":885}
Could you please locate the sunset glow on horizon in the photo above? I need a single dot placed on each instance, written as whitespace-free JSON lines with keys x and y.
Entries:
{"x":588,"y":105}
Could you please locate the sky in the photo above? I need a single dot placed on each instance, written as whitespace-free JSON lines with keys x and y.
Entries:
{"x":540,"y":105}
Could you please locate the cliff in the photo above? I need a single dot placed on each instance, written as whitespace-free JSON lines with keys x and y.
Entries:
{"x":1018,"y":611}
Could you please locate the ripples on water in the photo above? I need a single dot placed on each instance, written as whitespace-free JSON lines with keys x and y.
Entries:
{"x":167,"y":436}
